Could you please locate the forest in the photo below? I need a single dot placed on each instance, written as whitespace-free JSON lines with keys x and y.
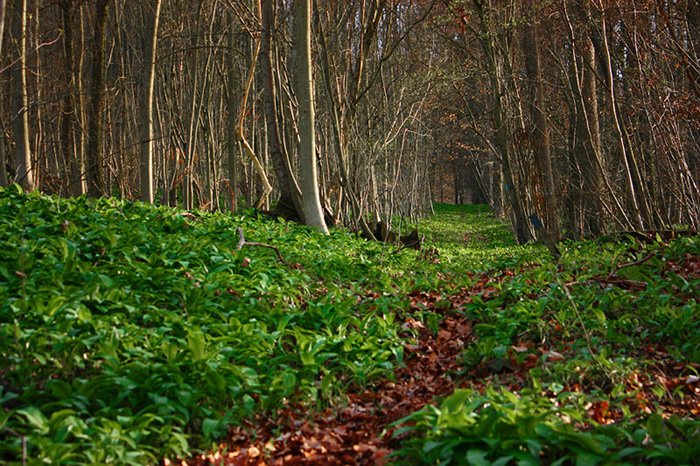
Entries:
{"x":362,"y":232}
{"x":583,"y":112}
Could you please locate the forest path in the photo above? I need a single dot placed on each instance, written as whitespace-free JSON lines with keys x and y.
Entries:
{"x":443,"y":351}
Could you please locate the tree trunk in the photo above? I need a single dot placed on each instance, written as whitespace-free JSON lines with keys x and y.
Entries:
{"x":3,"y":169}
{"x":95,"y":179}
{"x":152,"y":16}
{"x":20,"y":127}
{"x":313,"y":214}
{"x":545,"y":187}
{"x":69,"y":118}
{"x":499,"y":121}
{"x":289,"y":203}
{"x":232,"y":107}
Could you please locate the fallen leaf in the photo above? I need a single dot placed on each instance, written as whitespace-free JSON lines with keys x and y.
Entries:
{"x":554,"y":356}
{"x":520,"y":348}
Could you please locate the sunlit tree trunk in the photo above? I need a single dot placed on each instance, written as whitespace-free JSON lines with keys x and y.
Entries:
{"x":20,"y":127}
{"x":589,"y":185}
{"x":152,"y":15}
{"x":313,"y":214}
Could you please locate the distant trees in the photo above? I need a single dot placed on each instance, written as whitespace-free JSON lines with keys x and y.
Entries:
{"x":584,"y":112}
{"x":592,"y":103}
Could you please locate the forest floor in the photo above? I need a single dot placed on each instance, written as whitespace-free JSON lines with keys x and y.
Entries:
{"x":360,"y":426}
{"x":138,"y":334}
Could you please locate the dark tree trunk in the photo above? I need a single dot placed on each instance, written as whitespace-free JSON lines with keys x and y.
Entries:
{"x":96,"y":185}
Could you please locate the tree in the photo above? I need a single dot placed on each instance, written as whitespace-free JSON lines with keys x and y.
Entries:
{"x":289,"y":203}
{"x":23,"y":155}
{"x":152,"y":15}
{"x":497,"y":76}
{"x":545,"y":190}
{"x":3,"y":170}
{"x":96,"y":184}
{"x":313,"y":214}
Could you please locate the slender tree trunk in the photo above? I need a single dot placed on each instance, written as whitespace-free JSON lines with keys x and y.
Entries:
{"x":540,"y":143}
{"x":95,"y":179}
{"x":69,"y":117}
{"x":590,"y":182}
{"x":23,"y":156}
{"x":3,"y":169}
{"x":192,"y":127}
{"x":79,"y":136}
{"x":313,"y":212}
{"x":499,"y":120}
{"x":233,"y":147}
{"x":632,"y":177}
{"x":152,"y":15}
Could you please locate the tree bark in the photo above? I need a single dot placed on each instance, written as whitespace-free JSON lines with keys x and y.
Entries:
{"x":3,"y":169}
{"x":289,"y":203}
{"x":95,"y":179}
{"x":69,"y":110}
{"x":152,"y":15}
{"x":233,"y":147}
{"x":23,"y":155}
{"x":486,"y":38}
{"x":540,"y":144}
{"x":313,"y":213}
{"x":635,"y":189}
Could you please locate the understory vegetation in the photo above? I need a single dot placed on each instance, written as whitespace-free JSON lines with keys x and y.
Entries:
{"x":130,"y":334}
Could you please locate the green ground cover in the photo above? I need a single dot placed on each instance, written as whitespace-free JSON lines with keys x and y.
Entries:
{"x":130,"y":333}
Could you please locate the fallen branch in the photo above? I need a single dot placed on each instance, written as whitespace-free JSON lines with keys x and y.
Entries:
{"x":24,"y":442}
{"x":242,"y":242}
{"x":189,"y":216}
{"x":631,"y":264}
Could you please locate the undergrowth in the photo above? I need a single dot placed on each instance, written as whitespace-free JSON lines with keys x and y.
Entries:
{"x":130,"y":333}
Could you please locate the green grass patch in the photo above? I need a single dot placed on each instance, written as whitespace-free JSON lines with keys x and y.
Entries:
{"x":131,"y":332}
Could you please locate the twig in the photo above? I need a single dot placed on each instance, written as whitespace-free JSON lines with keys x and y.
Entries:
{"x":189,"y":216}
{"x":242,"y":242}
{"x":631,"y":264}
{"x":24,"y":442}
{"x":587,"y":336}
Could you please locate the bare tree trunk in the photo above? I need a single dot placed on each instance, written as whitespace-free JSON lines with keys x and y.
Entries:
{"x":69,"y":117}
{"x":499,"y":121}
{"x":152,"y":15}
{"x":233,"y":147}
{"x":289,"y":202}
{"x":23,"y":155}
{"x":3,"y":169}
{"x":96,"y":184}
{"x":80,"y":136}
{"x":313,"y":214}
{"x":540,"y":144}
{"x":632,"y":177}
{"x":589,"y":179}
